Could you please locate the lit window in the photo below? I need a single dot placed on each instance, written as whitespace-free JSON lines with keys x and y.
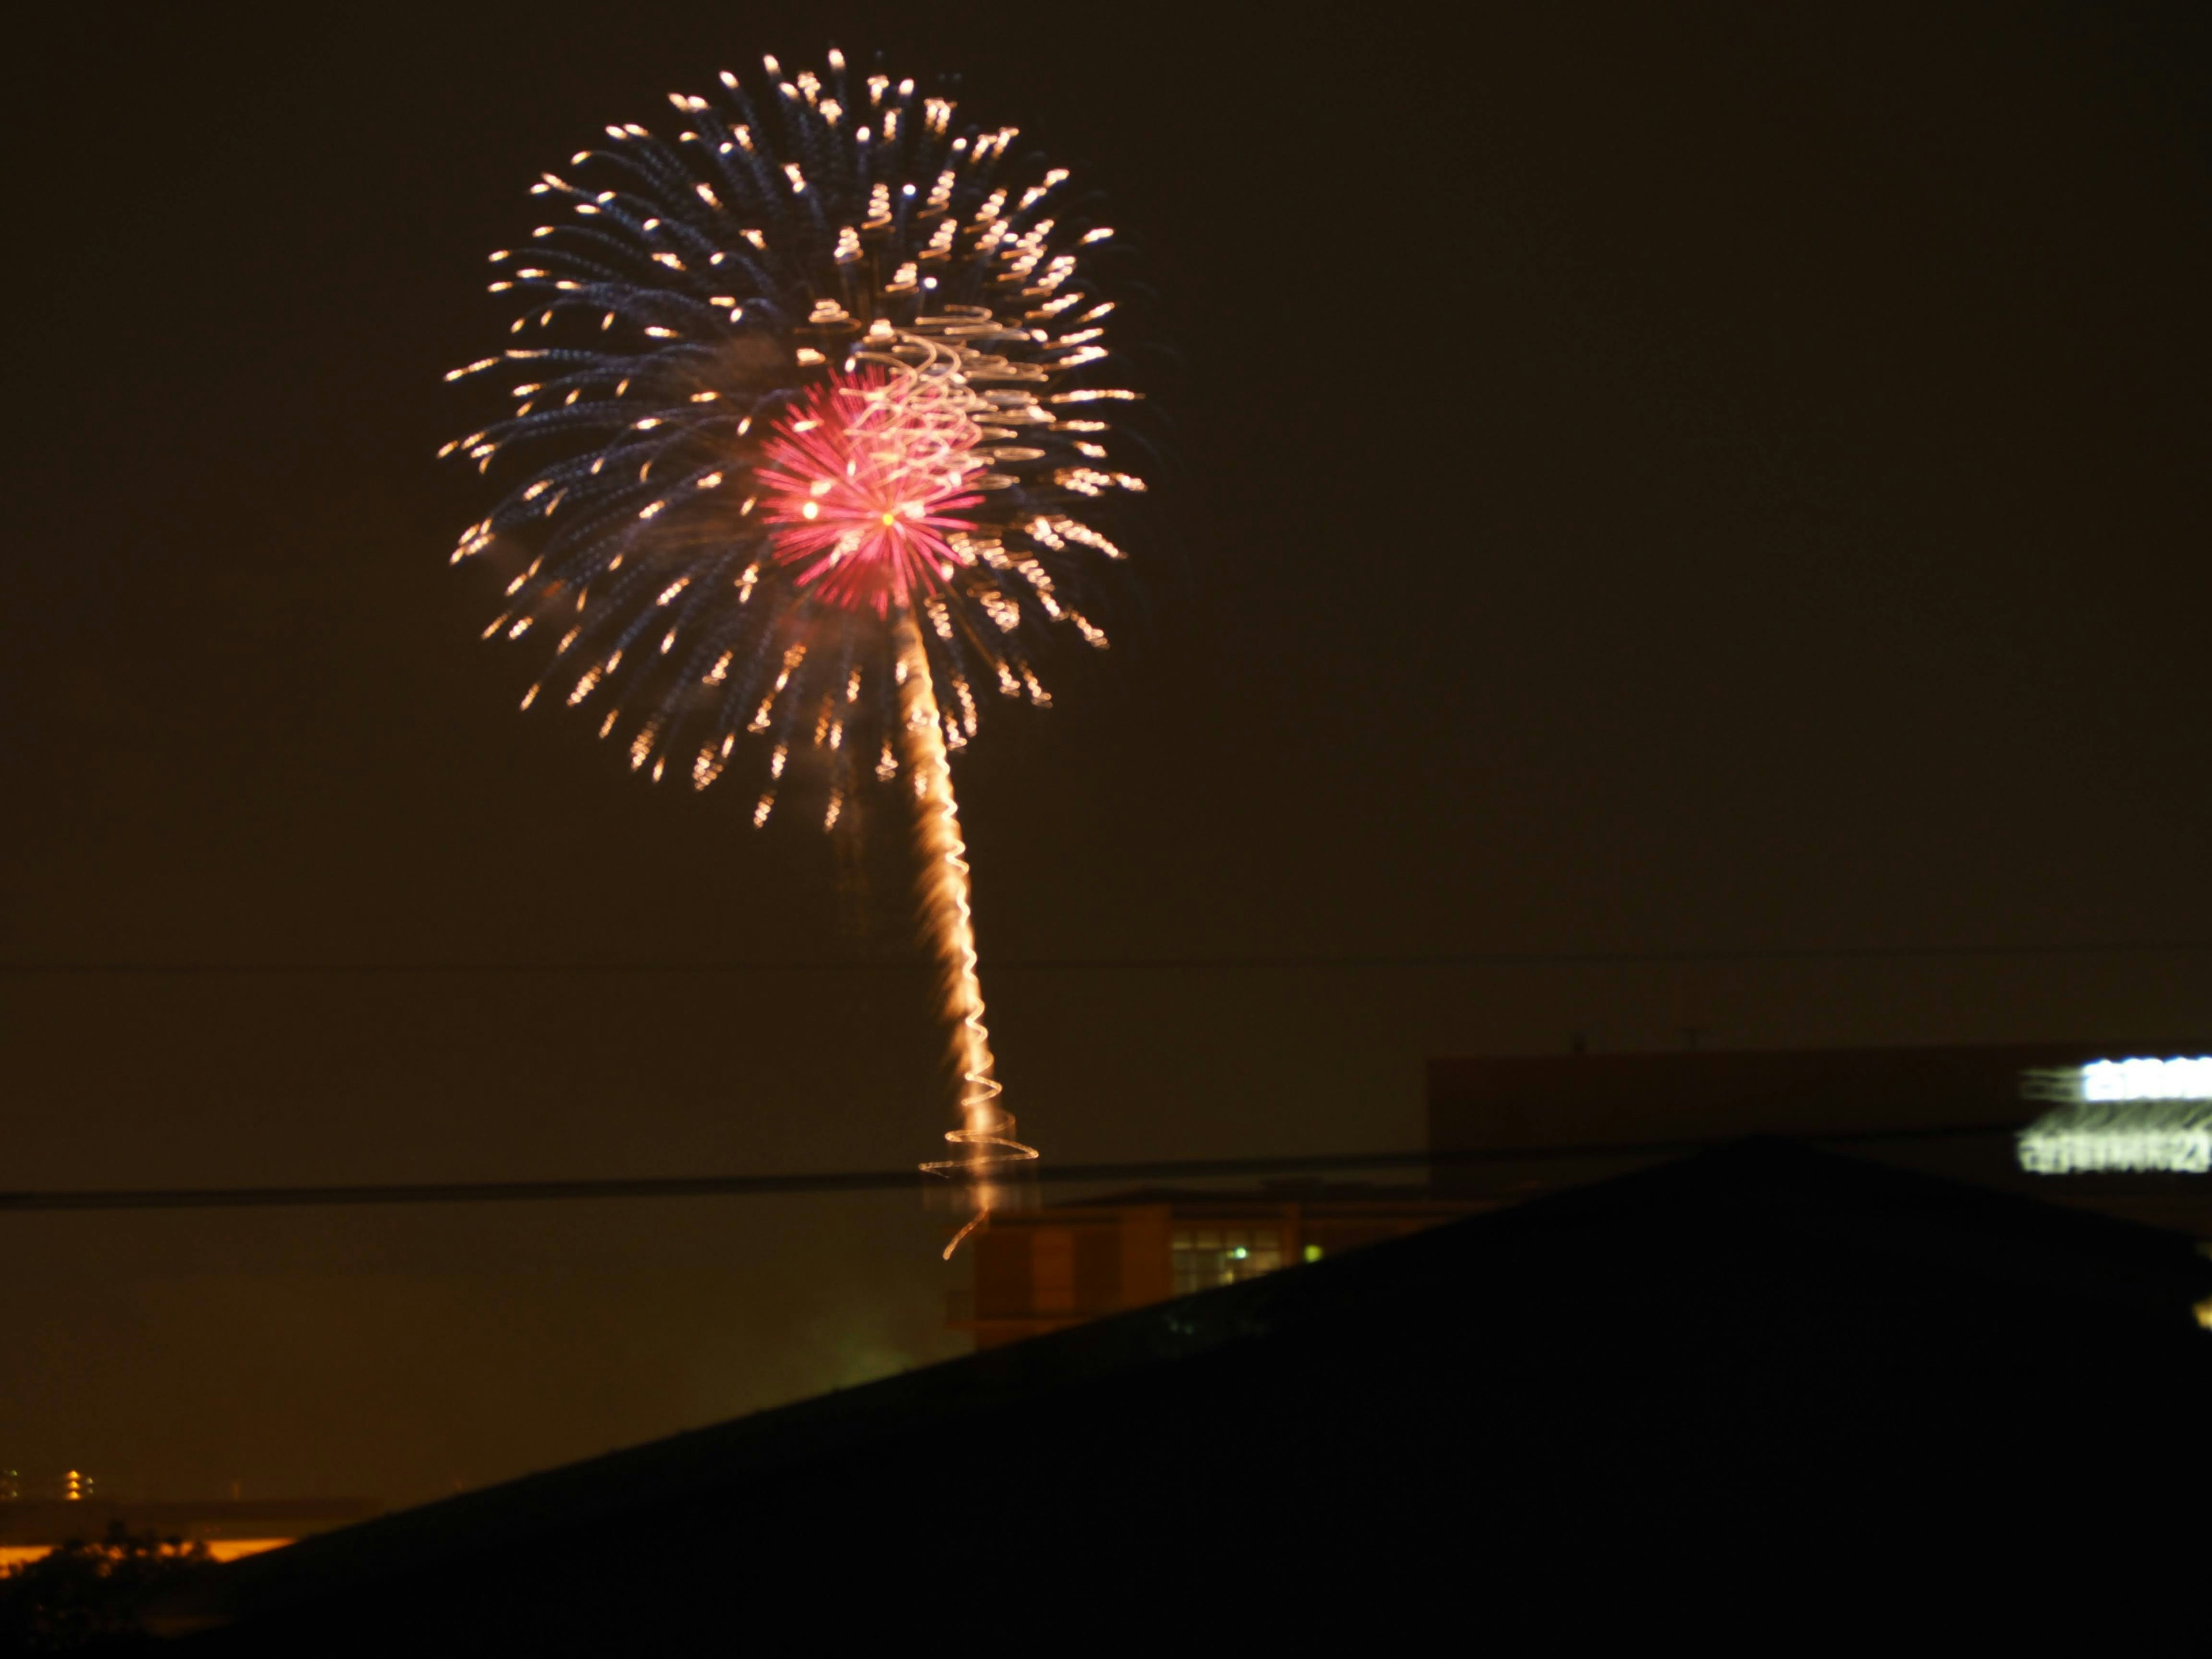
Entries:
{"x":1206,"y":1257}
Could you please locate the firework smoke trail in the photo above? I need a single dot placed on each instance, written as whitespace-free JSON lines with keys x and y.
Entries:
{"x":805,"y":455}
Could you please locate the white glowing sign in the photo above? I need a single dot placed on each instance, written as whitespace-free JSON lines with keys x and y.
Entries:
{"x":2122,"y":1115}
{"x":2147,"y":1079}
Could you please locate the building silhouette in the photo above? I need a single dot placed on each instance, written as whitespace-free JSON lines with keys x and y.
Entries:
{"x":1038,"y":1271}
{"x":1503,"y":1129}
{"x":1761,"y":1372}
{"x":1503,"y":1126}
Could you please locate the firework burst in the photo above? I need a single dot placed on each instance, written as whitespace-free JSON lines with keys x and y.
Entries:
{"x":805,"y":454}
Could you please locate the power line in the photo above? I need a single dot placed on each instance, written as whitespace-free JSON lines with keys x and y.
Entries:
{"x":856,"y":1181}
{"x":1287,"y":961}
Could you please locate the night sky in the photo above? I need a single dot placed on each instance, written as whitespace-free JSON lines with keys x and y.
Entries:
{"x":1675,"y":483}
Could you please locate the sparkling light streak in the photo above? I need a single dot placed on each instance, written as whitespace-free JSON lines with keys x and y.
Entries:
{"x":983,"y":1138}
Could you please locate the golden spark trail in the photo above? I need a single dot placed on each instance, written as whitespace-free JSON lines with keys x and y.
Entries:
{"x":983,"y":1138}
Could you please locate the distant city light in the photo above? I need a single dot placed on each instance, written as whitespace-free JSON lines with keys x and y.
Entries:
{"x":2139,"y":1114}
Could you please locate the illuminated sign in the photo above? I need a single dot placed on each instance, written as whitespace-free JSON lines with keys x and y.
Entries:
{"x":2147,"y":1079}
{"x":2122,"y":1114}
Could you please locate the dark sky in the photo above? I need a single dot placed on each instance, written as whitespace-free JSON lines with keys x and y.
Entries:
{"x":1640,"y":479}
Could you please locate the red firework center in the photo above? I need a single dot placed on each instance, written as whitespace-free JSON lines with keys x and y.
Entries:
{"x":865,"y":480}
